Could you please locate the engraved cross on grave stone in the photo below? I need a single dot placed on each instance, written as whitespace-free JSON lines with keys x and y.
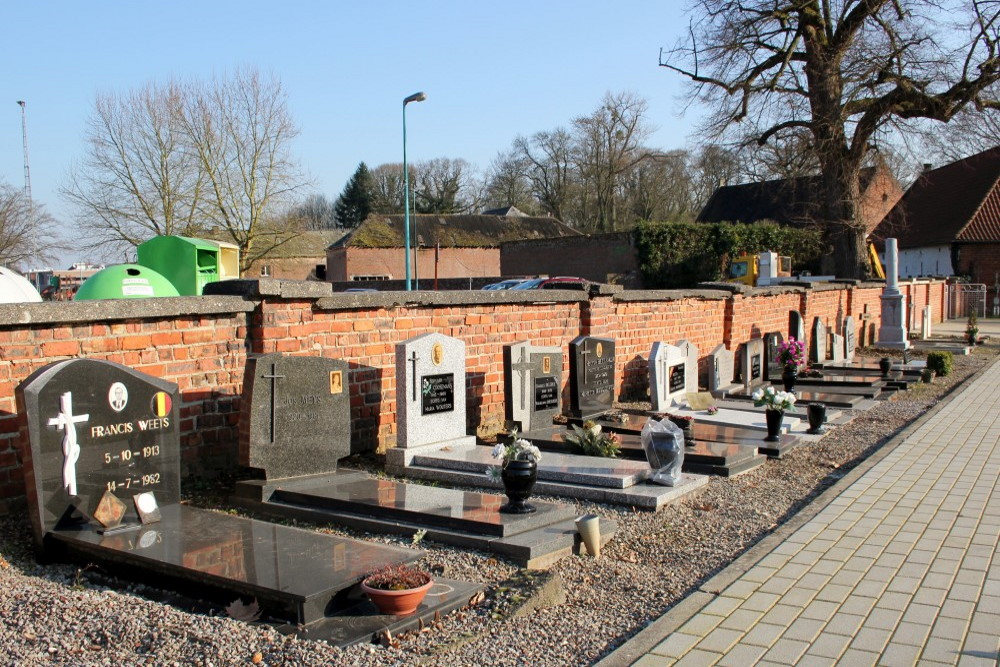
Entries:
{"x":66,"y":422}
{"x":523,"y":367}
{"x":413,"y":360}
{"x":585,"y":352}
{"x":273,"y":377}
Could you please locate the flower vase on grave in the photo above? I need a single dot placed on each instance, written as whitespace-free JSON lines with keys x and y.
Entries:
{"x":788,"y":377}
{"x":518,"y":480}
{"x":774,"y":418}
{"x":817,"y":417}
{"x":884,"y":365}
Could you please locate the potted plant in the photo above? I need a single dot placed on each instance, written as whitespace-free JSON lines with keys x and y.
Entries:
{"x":397,"y":590}
{"x":972,"y":328}
{"x":518,"y":471}
{"x":791,"y":355}
{"x":775,"y":403}
{"x":591,"y":440}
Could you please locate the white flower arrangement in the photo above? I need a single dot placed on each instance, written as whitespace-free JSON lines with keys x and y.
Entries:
{"x":773,"y":400}
{"x":518,"y":449}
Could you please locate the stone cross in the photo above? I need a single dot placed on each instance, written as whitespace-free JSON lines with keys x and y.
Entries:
{"x":523,"y":367}
{"x":66,"y":422}
{"x":416,"y":381}
{"x":273,"y":377}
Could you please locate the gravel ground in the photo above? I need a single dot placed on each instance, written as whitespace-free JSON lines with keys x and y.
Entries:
{"x":61,"y":615}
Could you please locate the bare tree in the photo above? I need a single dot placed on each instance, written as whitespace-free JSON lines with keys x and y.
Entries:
{"x":316,"y":213}
{"x":609,"y":143}
{"x":845,"y":71}
{"x":138,"y":178}
{"x":713,"y":167}
{"x":387,"y":187}
{"x":659,"y":188}
{"x":548,"y":159}
{"x":27,"y":231}
{"x":507,"y":183}
{"x":444,"y":185}
{"x":240,"y":129}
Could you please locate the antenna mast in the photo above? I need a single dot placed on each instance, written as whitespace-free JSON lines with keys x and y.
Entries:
{"x":27,"y":169}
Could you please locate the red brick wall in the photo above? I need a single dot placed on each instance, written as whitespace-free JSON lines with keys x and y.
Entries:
{"x":980,"y":261}
{"x":201,"y":344}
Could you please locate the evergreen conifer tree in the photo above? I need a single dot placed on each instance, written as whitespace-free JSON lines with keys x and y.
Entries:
{"x":355,"y":202}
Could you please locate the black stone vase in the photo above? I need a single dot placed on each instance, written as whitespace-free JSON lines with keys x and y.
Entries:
{"x":518,"y":480}
{"x":817,"y":417}
{"x":789,"y":376}
{"x":885,"y":365}
{"x":773,"y":418}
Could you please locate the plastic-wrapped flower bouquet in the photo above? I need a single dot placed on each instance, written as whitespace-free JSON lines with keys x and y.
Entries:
{"x":773,"y":400}
{"x":517,"y":449}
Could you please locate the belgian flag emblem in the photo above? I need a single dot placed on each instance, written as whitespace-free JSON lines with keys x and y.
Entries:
{"x":161,"y":404}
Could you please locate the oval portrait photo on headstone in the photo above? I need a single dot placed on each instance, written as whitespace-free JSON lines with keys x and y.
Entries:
{"x":117,"y":396}
{"x":437,"y":354}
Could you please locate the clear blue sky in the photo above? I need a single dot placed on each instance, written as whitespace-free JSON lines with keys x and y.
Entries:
{"x":491,"y":71}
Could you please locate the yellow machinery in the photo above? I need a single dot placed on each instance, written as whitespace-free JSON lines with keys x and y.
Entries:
{"x":875,"y":262}
{"x":762,"y":269}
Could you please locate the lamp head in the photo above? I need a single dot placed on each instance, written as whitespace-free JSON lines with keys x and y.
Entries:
{"x":20,"y":103}
{"x":415,"y":97}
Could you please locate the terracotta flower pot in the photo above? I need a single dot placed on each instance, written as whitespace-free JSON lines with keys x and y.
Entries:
{"x":397,"y":603}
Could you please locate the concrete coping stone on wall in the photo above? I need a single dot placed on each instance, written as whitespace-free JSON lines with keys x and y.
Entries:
{"x":262,"y":287}
{"x":103,"y":310}
{"x":672,"y":295}
{"x":350,"y":300}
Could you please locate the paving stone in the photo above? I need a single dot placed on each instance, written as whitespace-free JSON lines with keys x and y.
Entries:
{"x":675,"y":645}
{"x":698,"y":658}
{"x":870,"y":639}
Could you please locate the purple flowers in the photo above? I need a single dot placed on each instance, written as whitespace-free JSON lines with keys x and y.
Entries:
{"x":791,"y":353}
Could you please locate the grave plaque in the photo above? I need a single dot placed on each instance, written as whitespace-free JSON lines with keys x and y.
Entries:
{"x":690,"y":351}
{"x":796,"y":325}
{"x":667,"y":375}
{"x":773,"y":368}
{"x":297,"y":419}
{"x":722,"y":369}
{"x":752,"y":363}
{"x":532,"y":384}
{"x":836,"y":347}
{"x":97,"y":427}
{"x":850,"y":338}
{"x":817,"y":342}
{"x":430,"y":390}
{"x":591,"y":376}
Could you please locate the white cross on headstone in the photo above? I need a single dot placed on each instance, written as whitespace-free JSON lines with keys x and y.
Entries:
{"x":66,"y":421}
{"x":523,"y":368}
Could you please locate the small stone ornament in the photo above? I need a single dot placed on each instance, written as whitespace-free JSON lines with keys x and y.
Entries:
{"x":110,"y":511}
{"x":146,"y":507}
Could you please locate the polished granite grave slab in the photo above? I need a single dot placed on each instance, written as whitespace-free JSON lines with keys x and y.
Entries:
{"x":831,"y":399}
{"x":837,"y":380}
{"x":556,"y":467}
{"x":466,"y":519}
{"x":703,"y":457}
{"x":295,"y":574}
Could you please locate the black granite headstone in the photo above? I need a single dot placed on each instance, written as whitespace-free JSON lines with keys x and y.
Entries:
{"x":95,"y":427}
{"x":532,"y":384}
{"x":297,"y":416}
{"x":591,"y":376}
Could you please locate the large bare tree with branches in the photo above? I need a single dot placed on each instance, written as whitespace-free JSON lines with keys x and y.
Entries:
{"x":27,"y":232}
{"x":844,"y":70}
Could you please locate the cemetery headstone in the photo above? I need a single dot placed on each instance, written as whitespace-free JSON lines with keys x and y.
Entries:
{"x":100,"y":435}
{"x":532,"y":384}
{"x":796,"y":325}
{"x":691,"y":367}
{"x":850,"y":338}
{"x":817,"y":342}
{"x":591,"y":376}
{"x":297,"y":419}
{"x":721,"y":369}
{"x":667,"y":376}
{"x":752,"y":363}
{"x":772,"y":369}
{"x":836,"y":347}
{"x":925,"y":323}
{"x":892,"y":333}
{"x":430,"y":390}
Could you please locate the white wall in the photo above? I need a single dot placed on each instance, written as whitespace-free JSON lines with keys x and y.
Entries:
{"x":929,"y":261}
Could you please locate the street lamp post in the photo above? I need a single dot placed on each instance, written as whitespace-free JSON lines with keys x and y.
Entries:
{"x":415,"y":97}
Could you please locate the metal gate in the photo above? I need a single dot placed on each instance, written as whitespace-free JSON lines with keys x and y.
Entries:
{"x":964,"y":298}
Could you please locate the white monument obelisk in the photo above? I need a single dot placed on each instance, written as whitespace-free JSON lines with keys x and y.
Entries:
{"x":892,"y":333}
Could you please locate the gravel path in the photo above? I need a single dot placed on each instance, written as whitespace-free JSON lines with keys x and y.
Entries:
{"x":60,"y":615}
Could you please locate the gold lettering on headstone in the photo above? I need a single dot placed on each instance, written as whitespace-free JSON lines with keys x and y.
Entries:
{"x":437,"y":354}
{"x":546,"y":365}
{"x":336,"y":382}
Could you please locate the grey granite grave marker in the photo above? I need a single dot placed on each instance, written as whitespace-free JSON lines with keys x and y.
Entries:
{"x":796,"y":325}
{"x":772,"y":369}
{"x":836,"y":347}
{"x":297,"y":415}
{"x":430,"y":391}
{"x":591,"y":376}
{"x":752,"y":363}
{"x":850,"y":338}
{"x":95,"y":427}
{"x":532,"y":384}
{"x":667,"y":375}
{"x":721,"y":370}
{"x":691,"y":366}
{"x":818,"y":342}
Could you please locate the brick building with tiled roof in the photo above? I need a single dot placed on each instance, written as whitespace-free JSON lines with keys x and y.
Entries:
{"x":948,"y":222}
